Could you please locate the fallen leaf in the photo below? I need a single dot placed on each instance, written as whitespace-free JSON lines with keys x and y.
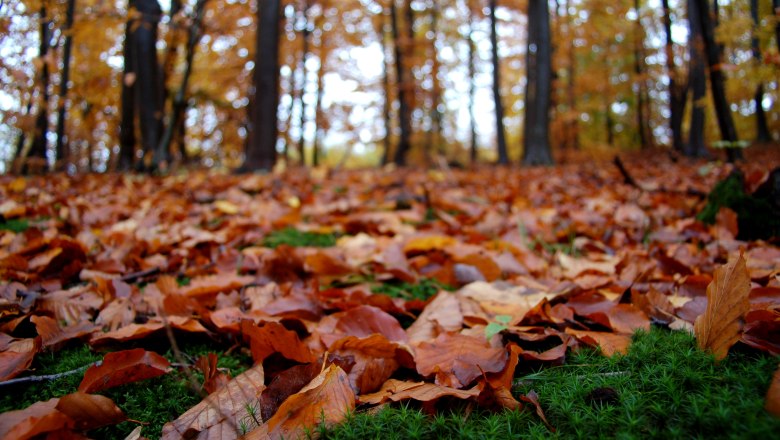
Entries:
{"x":213,"y":379}
{"x":326,"y":399}
{"x":90,"y":411}
{"x":610,"y":343}
{"x":284,"y":385}
{"x":273,"y":337}
{"x":456,"y":360}
{"x":123,"y":367}
{"x":772,"y":404}
{"x":217,"y":416}
{"x":533,"y":399}
{"x":720,"y":326}
{"x":38,"y":418}
{"x":441,"y":314}
{"x":18,"y":357}
{"x":397,"y":390}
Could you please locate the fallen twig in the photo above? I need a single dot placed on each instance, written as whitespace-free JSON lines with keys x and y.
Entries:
{"x":628,"y":179}
{"x":47,"y":377}
{"x":131,"y":277}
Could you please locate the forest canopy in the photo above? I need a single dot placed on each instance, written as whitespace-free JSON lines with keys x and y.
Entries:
{"x":357,"y":81}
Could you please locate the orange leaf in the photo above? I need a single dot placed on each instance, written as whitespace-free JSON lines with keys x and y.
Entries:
{"x":610,"y":343}
{"x":275,"y":338}
{"x":18,"y":357}
{"x":533,"y":399}
{"x":719,"y":327}
{"x":772,"y":404}
{"x":326,"y":399}
{"x":397,"y":390}
{"x":90,"y":411}
{"x":123,"y":367}
{"x":38,"y":418}
{"x":219,"y":413}
{"x":457,"y":360}
{"x":428,"y":243}
{"x":213,"y":379}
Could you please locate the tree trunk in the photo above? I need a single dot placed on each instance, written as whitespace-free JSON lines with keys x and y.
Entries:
{"x":405,"y":81}
{"x":435,"y":140}
{"x":503,"y":156}
{"x":175,"y":125}
{"x":35,"y":160}
{"x":127,"y":138}
{"x":536,"y":143}
{"x":61,"y":150}
{"x":728,"y":130}
{"x":261,"y":145}
{"x":698,"y":83}
{"x":762,"y":129}
{"x":642,"y":113}
{"x":304,"y":56}
{"x":318,"y":115}
{"x":175,"y":37}
{"x":678,"y":88}
{"x":386,"y":107}
{"x":472,"y":88}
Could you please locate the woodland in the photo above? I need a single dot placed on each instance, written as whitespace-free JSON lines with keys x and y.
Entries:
{"x":360,"y":219}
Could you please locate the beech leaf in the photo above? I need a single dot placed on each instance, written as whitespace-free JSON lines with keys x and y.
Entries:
{"x":720,"y":326}
{"x":123,"y":367}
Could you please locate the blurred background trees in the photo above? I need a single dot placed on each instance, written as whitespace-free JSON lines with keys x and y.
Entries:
{"x":89,"y":85}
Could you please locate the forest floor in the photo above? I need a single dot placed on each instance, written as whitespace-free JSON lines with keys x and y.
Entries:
{"x":578,"y":300}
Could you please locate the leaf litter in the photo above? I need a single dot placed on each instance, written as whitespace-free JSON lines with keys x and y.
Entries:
{"x":539,"y":261}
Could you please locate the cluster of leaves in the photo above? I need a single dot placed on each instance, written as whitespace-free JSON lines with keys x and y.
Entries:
{"x":105,"y":268}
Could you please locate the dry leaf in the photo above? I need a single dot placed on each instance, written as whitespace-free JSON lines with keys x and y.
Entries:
{"x":123,"y":367}
{"x":720,"y":326}
{"x":772,"y":404}
{"x":18,"y":357}
{"x":456,"y":360}
{"x":90,"y":411}
{"x":38,"y":418}
{"x":397,"y":390}
{"x":217,"y":416}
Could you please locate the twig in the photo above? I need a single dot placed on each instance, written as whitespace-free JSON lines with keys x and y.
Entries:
{"x":131,"y":277}
{"x":628,"y":179}
{"x":47,"y":377}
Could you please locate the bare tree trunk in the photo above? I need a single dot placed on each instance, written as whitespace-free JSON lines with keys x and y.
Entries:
{"x":304,"y":56}
{"x":436,"y":114}
{"x":503,"y":156}
{"x":261,"y":145}
{"x":697,"y":81}
{"x":678,"y":87}
{"x":642,"y":113}
{"x":762,"y":129}
{"x":127,"y":138}
{"x":472,"y":88}
{"x":728,"y":130}
{"x":175,"y":37}
{"x":175,"y":125}
{"x":35,"y":161}
{"x":386,"y":107}
{"x":62,"y":148}
{"x":536,"y":142}
{"x":405,"y":85}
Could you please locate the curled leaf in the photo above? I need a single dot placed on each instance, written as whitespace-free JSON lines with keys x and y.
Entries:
{"x":123,"y":367}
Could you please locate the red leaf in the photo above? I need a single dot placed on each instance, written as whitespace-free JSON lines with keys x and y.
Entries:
{"x":38,"y":418}
{"x":18,"y":357}
{"x":272,"y":338}
{"x":90,"y":411}
{"x":123,"y":367}
{"x":457,"y":360}
{"x":772,"y":404}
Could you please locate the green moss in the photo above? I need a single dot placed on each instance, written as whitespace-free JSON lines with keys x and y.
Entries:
{"x":153,"y":402}
{"x":15,"y":225}
{"x":296,"y":238}
{"x":663,"y":388}
{"x":423,"y":290}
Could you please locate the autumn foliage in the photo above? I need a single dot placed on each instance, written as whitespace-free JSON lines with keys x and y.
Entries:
{"x":536,"y":263}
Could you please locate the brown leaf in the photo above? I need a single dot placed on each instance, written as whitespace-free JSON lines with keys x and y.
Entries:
{"x":364,"y":321}
{"x":38,"y":418}
{"x":284,"y":385}
{"x":272,"y":338}
{"x":375,"y":360}
{"x":533,"y":399}
{"x":52,"y":335}
{"x":397,"y":390}
{"x":610,"y":343}
{"x":720,"y":326}
{"x":18,"y":357}
{"x":441,"y":314}
{"x":141,"y":331}
{"x":213,"y":379}
{"x":326,"y":399}
{"x":457,"y":360}
{"x":123,"y":367}
{"x":217,"y":416}
{"x":772,"y":404}
{"x":90,"y":411}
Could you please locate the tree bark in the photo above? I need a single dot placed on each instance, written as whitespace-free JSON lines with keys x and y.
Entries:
{"x":148,"y":90}
{"x":127,"y":138}
{"x":643,"y":111}
{"x":762,"y":129}
{"x":38,"y":149}
{"x":263,"y":130}
{"x":503,"y":156}
{"x":728,"y":130}
{"x":472,"y":88}
{"x":536,"y":143}
{"x":175,"y":127}
{"x":697,"y":80}
{"x":61,"y":150}
{"x":302,"y":121}
{"x":678,"y":87}
{"x":405,"y":80}
{"x":386,"y":107}
{"x":435,"y":140}
{"x":175,"y":37}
